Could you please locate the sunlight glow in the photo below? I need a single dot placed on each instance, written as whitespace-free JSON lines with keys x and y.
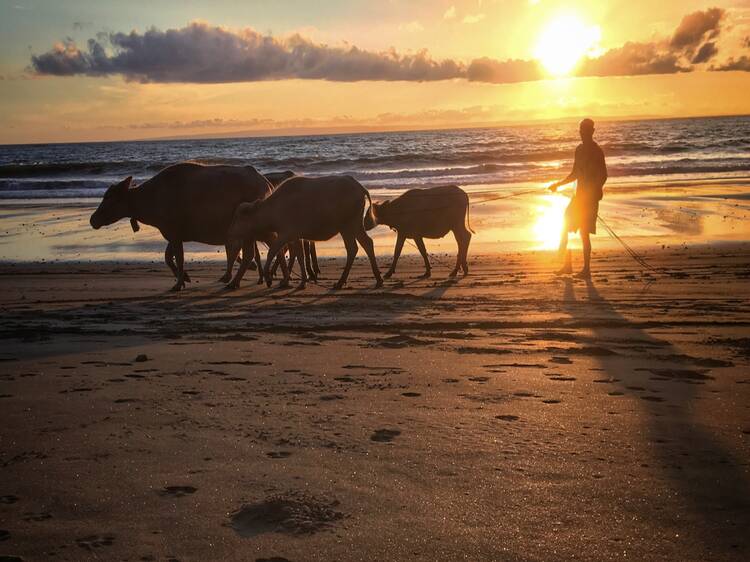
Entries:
{"x":563,"y":42}
{"x":549,"y":222}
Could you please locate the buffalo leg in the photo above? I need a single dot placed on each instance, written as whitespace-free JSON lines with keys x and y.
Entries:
{"x":169,"y":259}
{"x":258,"y":264}
{"x":230,"y":262}
{"x":307,"y":244}
{"x":364,"y":239}
{"x":298,"y":246}
{"x":463,"y":237}
{"x":273,"y":250}
{"x":314,"y":259}
{"x":423,"y":251}
{"x":396,"y":254}
{"x":179,"y":255}
{"x":248,"y":253}
{"x":465,"y":252}
{"x":350,"y":242}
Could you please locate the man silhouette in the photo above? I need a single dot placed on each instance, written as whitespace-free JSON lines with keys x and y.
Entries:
{"x":590,"y":170}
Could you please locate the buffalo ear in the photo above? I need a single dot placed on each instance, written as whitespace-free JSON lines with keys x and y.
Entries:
{"x":134,"y":225}
{"x":125,"y":184}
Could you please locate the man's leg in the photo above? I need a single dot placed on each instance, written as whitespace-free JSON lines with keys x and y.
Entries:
{"x":586,"y":242}
{"x":564,"y":253}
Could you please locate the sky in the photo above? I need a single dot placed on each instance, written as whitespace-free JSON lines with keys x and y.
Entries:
{"x":80,"y":70}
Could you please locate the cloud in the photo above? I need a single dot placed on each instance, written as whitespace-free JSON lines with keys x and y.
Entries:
{"x":450,"y":13}
{"x":632,"y":59}
{"x":697,"y":27}
{"x":411,"y":27}
{"x":693,"y":42}
{"x":473,"y":18}
{"x":742,"y":64}
{"x":503,"y":72}
{"x":705,"y":53}
{"x":201,"y":53}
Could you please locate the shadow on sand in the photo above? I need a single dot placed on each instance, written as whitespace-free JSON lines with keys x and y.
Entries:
{"x":711,"y":482}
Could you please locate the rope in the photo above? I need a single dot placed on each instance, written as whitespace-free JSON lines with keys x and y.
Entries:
{"x":640,"y":260}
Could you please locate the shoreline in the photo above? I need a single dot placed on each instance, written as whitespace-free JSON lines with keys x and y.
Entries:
{"x":646,"y":216}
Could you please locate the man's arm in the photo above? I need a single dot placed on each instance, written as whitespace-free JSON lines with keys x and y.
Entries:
{"x":572,"y":176}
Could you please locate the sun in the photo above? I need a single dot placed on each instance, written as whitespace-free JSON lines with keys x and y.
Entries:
{"x":563,"y":42}
{"x":550,"y":213}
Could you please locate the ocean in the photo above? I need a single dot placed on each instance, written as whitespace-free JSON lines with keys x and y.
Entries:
{"x":645,"y":150}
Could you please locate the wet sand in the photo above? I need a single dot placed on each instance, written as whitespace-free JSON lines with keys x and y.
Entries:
{"x":509,"y":415}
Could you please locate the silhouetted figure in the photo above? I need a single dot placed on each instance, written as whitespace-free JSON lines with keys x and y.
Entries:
{"x":590,"y":170}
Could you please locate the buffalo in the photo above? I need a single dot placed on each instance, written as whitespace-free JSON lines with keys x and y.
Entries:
{"x":426,"y":213}
{"x":188,"y":202}
{"x":310,"y":252}
{"x":304,"y":208}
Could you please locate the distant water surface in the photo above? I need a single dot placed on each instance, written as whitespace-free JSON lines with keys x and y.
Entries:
{"x":648,"y":150}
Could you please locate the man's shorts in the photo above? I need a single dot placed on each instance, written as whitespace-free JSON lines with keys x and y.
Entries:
{"x":581,"y":214}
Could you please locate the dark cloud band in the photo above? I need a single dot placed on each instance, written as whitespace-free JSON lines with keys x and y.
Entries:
{"x":202,"y":53}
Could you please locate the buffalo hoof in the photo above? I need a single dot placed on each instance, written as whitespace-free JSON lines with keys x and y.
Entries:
{"x":378,"y":283}
{"x":338,"y":286}
{"x":388,"y":274}
{"x":453,"y":273}
{"x":260,"y":281}
{"x":186,"y":278}
{"x":301,"y":286}
{"x":177,"y":287}
{"x":226,"y":278}
{"x":425,"y":275}
{"x":284,"y":285}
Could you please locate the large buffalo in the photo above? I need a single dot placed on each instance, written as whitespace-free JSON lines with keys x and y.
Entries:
{"x":307,"y":209}
{"x":188,"y":203}
{"x":310,"y":252}
{"x":426,"y":213}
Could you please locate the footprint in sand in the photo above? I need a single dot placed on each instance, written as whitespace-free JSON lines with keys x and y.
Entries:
{"x":551,"y":401}
{"x":41,"y":516}
{"x":653,"y":398}
{"x":177,"y":491}
{"x":273,"y":559}
{"x":278,"y":454}
{"x":384,"y":435}
{"x":507,"y":417}
{"x":450,"y":381}
{"x":479,"y":379}
{"x":93,"y":542}
{"x":411,"y":394}
{"x":293,"y":513}
{"x":560,"y":360}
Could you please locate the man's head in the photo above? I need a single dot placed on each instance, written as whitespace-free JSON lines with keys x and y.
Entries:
{"x":586,"y":129}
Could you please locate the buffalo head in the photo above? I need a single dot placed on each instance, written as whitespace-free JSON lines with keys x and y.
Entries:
{"x":114,"y":205}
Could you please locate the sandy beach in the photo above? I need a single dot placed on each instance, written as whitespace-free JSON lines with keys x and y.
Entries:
{"x":509,"y":415}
